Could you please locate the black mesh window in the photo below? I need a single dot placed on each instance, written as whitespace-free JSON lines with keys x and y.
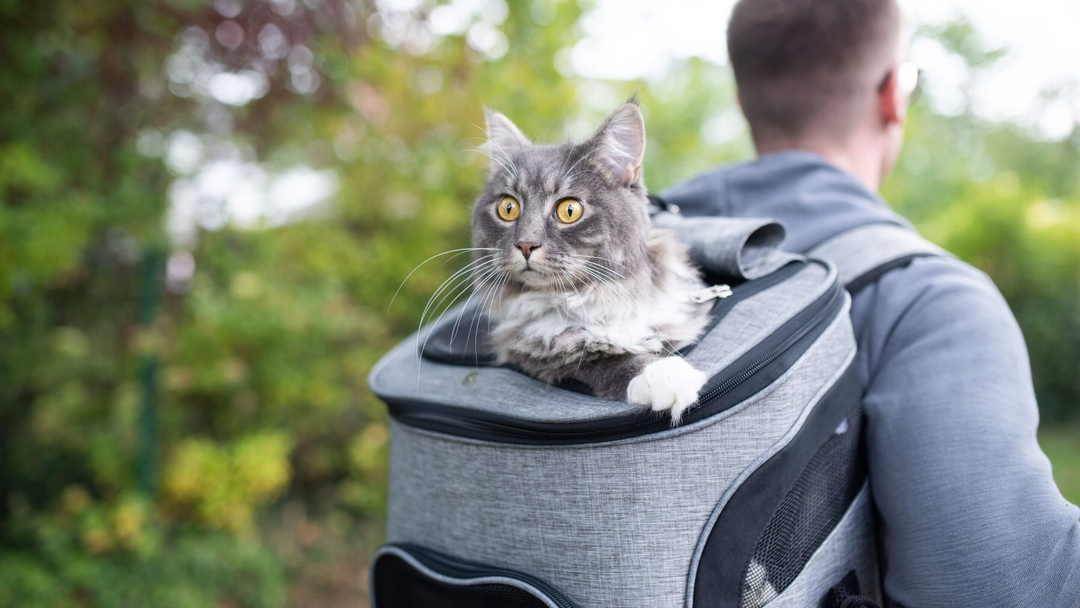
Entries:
{"x":808,"y":513}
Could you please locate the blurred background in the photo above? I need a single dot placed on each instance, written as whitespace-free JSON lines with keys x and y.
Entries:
{"x":205,"y":208}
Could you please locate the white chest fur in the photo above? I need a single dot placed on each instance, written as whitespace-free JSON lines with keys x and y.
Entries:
{"x":608,"y":318}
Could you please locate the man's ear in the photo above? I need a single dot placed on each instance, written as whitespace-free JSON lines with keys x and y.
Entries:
{"x":619,"y":144}
{"x":892,"y":105}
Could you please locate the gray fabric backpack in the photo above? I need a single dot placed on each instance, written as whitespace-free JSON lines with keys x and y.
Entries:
{"x":507,"y":492}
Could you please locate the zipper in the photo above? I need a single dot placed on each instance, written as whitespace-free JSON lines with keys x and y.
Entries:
{"x":464,"y":570}
{"x":723,"y":392}
{"x":739,"y":293}
{"x":720,"y":291}
{"x":774,"y":352}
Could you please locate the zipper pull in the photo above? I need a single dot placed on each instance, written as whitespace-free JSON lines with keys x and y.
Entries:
{"x":711,"y":293}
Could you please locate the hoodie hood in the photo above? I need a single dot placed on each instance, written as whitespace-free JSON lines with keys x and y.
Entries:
{"x":812,"y":198}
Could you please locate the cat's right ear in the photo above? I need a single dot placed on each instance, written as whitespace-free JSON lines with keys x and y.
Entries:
{"x":503,"y":137}
{"x":620,"y":142}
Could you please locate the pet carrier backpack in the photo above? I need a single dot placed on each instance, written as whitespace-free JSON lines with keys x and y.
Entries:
{"x":507,"y":492}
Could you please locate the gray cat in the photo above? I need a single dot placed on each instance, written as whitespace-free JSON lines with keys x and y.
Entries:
{"x":580,"y":285}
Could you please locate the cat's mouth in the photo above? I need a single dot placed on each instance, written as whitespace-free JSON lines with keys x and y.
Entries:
{"x":534,"y":278}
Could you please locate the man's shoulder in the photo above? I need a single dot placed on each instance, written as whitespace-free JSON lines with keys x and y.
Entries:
{"x":939,"y":296}
{"x":935,"y":278}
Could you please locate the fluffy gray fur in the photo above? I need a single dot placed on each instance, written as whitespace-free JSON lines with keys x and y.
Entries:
{"x":603,"y":300}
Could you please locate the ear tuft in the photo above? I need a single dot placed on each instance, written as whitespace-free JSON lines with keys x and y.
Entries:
{"x":620,"y":143}
{"x":502,"y":132}
{"x":503,"y":137}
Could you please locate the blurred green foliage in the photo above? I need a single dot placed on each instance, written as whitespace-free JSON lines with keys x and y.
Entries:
{"x":1008,"y":202}
{"x":266,"y":427}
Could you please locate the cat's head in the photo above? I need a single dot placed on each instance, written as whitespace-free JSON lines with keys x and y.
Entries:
{"x":555,"y":215}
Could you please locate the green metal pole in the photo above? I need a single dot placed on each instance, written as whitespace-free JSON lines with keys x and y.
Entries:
{"x":150,"y":280}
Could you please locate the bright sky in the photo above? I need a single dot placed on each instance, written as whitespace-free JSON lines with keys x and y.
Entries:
{"x":633,"y":38}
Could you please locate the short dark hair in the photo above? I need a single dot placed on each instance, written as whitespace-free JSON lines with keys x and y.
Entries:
{"x":800,"y":64}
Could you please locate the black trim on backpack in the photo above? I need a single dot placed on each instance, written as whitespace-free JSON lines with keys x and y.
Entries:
{"x":734,"y":537}
{"x":406,"y":575}
{"x":871,"y":276}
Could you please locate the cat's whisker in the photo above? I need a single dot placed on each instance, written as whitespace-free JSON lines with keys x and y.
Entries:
{"x":464,"y":249}
{"x":584,"y":320}
{"x":602,"y":267}
{"x":501,"y":294}
{"x":473,"y":284}
{"x":600,"y":281}
{"x":461,"y":288}
{"x":589,"y":259}
{"x":612,"y":277}
{"x":508,"y":168}
{"x":603,"y":274}
{"x":469,"y":268}
{"x":623,"y":292}
{"x":487,"y":275}
{"x":448,"y":287}
{"x":457,"y":255}
{"x":612,"y":309}
{"x":501,"y":291}
{"x":565,"y":298}
{"x":603,"y":259}
{"x":480,"y":311}
{"x":595,"y":266}
{"x":555,"y":294}
{"x":619,"y":290}
{"x":485,"y":303}
{"x":496,"y":291}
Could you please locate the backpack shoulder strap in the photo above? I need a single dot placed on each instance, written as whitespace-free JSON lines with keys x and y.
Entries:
{"x":863,"y":254}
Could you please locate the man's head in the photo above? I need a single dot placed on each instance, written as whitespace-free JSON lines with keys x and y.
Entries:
{"x":821,"y":75}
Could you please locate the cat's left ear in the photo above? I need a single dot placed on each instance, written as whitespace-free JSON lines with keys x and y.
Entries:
{"x":620,"y":143}
{"x":502,"y":133}
{"x":503,"y":138}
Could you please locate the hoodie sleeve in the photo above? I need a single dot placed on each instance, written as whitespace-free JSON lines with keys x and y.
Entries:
{"x":970,"y":514}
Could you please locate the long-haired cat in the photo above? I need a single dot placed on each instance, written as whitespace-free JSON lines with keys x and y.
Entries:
{"x":587,"y":289}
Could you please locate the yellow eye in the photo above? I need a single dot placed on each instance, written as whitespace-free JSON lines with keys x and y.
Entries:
{"x":569,"y":210}
{"x":509,"y":208}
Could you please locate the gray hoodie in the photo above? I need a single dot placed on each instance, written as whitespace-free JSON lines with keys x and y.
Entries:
{"x":969,"y":514}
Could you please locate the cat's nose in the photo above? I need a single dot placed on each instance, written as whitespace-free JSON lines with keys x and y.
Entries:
{"x":526,"y":248}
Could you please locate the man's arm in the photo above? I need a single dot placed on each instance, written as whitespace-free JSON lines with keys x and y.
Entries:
{"x":970,"y":513}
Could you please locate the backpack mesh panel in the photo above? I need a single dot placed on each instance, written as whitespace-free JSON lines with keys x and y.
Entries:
{"x":809,"y":512}
{"x":399,"y":585}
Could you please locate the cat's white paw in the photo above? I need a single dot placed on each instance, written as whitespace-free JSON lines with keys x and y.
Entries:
{"x":668,"y":384}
